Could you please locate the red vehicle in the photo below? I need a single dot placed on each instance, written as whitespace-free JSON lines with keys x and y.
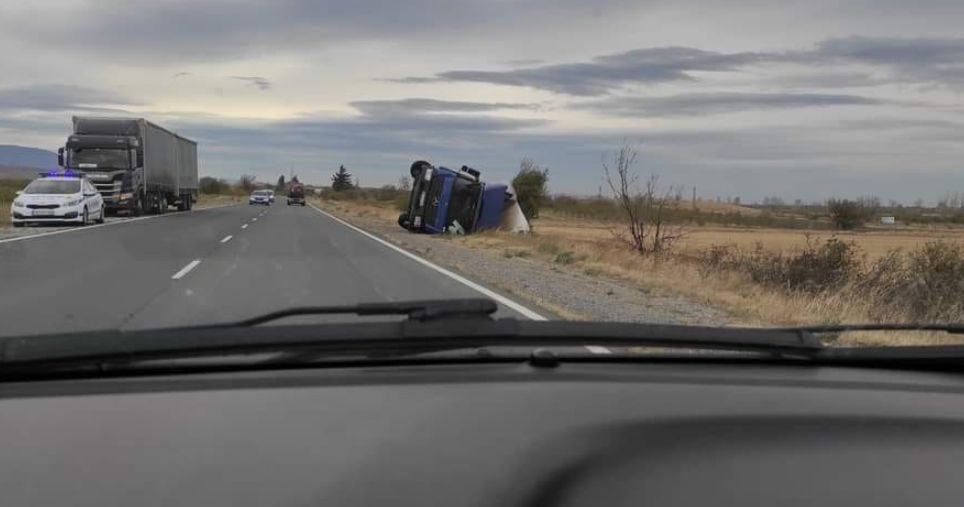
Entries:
{"x":296,"y":193}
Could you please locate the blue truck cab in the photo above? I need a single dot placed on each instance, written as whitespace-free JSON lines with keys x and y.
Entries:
{"x":447,"y":201}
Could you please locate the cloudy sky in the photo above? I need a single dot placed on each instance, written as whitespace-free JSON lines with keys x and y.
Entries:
{"x":748,"y":97}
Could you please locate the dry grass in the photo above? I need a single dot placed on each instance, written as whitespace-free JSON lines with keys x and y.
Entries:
{"x":209,"y":201}
{"x":590,"y":247}
{"x":874,"y":242}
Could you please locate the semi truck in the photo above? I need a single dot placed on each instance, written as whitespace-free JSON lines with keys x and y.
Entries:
{"x":459,"y":202}
{"x":137,"y":166}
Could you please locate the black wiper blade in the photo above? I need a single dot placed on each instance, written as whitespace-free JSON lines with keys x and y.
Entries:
{"x":363,"y":338}
{"x":416,"y":310}
{"x":954,"y":328}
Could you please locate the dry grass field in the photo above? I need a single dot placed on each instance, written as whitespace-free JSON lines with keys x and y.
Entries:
{"x":591,"y":248}
{"x":873,"y":242}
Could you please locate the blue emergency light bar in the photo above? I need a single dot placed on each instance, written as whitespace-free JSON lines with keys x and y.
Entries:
{"x":62,"y":174}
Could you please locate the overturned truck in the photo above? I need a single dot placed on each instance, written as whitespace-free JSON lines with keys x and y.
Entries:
{"x":444,"y":201}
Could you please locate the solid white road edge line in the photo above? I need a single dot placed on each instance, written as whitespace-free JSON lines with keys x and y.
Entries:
{"x":226,"y":238}
{"x":596,"y":349}
{"x":186,"y":269}
{"x":97,"y":226}
{"x":464,"y":281}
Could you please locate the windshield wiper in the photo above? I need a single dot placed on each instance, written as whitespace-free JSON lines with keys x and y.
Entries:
{"x":416,"y":310}
{"x":849,"y":328}
{"x":397,"y":338}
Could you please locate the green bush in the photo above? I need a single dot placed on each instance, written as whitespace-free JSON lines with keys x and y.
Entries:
{"x":567,"y":257}
{"x":530,"y":187}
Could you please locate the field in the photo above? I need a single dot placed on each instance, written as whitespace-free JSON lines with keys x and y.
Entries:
{"x":873,"y":242}
{"x":588,"y":246}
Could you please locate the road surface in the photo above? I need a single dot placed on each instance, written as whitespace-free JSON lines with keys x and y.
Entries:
{"x":207,"y":266}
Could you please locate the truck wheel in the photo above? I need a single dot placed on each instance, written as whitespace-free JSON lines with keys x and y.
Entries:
{"x":182,"y":204}
{"x":137,"y":207}
{"x":162,"y":205}
{"x":417,"y":167}
{"x":403,"y":221}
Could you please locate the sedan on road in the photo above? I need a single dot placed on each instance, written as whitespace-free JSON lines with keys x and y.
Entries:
{"x":260,"y":197}
{"x":64,"y":197}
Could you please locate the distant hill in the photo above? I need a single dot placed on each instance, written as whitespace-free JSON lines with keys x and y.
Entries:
{"x":22,"y":156}
{"x":21,"y":162}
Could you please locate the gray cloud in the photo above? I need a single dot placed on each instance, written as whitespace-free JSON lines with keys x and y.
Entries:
{"x":692,"y":104}
{"x":50,"y":97}
{"x":423,"y":105}
{"x":257,"y":81}
{"x":604,"y":73}
{"x":919,"y":60}
{"x":164,"y":32}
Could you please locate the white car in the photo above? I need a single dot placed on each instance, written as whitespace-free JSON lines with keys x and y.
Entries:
{"x":60,"y":197}
{"x":260,"y":197}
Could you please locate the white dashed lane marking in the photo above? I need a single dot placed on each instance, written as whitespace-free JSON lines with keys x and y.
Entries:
{"x":186,"y":269}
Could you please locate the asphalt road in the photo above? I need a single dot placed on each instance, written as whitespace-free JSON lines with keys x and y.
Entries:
{"x":206,"y":266}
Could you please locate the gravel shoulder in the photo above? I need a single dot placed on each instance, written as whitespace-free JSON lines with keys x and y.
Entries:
{"x":567,"y":293}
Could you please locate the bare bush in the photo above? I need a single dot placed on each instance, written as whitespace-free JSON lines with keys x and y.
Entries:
{"x":925,"y":285}
{"x":644,"y":212}
{"x":848,"y":215}
{"x":818,"y":267}
{"x":246,"y":183}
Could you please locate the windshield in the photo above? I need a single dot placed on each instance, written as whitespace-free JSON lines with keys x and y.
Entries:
{"x":53,"y":187}
{"x":731,"y":164}
{"x":99,"y":158}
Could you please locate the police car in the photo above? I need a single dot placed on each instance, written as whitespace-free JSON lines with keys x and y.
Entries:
{"x":58,"y":197}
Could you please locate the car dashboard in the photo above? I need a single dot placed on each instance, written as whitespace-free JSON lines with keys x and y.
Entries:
{"x":647,"y":433}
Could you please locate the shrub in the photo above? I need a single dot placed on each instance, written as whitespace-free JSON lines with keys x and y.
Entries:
{"x":548,"y":247}
{"x":567,"y":257}
{"x":925,"y":285}
{"x":510,"y":253}
{"x":209,"y":185}
{"x":818,"y":267}
{"x":388,"y":193}
{"x":530,"y":187}
{"x":847,"y":214}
